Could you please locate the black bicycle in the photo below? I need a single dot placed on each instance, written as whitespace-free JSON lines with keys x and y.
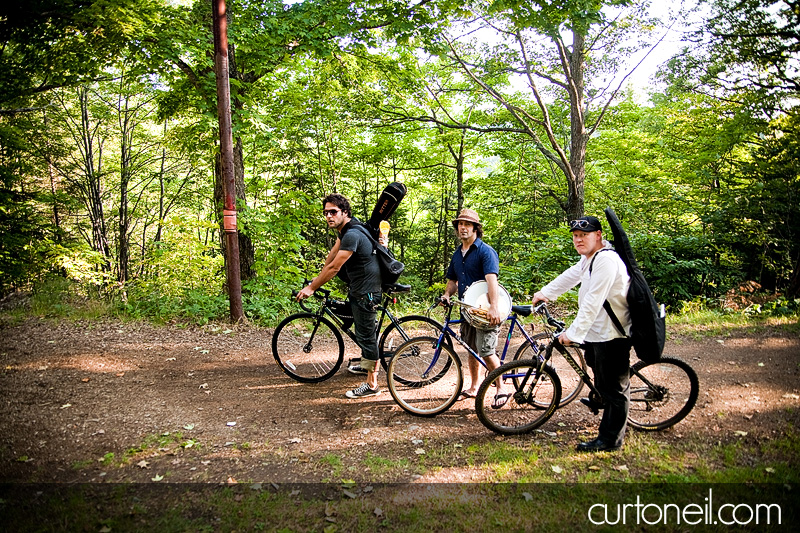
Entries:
{"x":309,"y":346}
{"x":662,"y":393}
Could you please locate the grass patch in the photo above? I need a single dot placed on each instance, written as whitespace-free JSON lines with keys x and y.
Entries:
{"x":643,"y":459}
{"x":335,"y":464}
{"x":381,"y":466}
{"x":704,"y":323}
{"x":164,"y":442}
{"x":360,"y":508}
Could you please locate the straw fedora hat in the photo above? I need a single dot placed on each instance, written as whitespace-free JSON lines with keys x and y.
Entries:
{"x":468,"y":215}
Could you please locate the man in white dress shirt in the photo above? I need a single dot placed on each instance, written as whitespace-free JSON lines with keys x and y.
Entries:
{"x":602,"y":276}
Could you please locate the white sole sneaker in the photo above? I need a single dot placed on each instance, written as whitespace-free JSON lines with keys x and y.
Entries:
{"x":362,"y":391}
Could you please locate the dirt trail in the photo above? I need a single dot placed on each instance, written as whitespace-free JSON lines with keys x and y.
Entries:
{"x":73,"y":393}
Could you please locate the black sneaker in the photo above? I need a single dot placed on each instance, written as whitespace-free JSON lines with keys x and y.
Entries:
{"x":362,"y":391}
{"x":597,"y":445}
{"x":356,"y":369}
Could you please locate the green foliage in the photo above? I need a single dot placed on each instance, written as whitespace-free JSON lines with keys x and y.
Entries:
{"x":707,"y":191}
{"x":52,"y":296}
{"x":780,"y":307}
{"x":527,"y":266}
{"x":53,"y":43}
{"x":182,"y":262}
{"x":746,"y":49}
{"x":677,"y":268}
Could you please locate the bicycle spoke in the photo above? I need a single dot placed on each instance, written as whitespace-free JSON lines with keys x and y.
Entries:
{"x":422,"y":381}
{"x":534,"y":393}
{"x":402,"y":330}
{"x":662,"y":393}
{"x":571,"y":383}
{"x":308,"y":348}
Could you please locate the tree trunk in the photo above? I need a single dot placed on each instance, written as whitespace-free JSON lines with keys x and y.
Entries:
{"x":51,"y":172}
{"x":459,"y":160}
{"x":246,"y":248}
{"x":161,"y":191}
{"x":578,"y":136}
{"x":126,"y":147}
{"x":793,"y":290}
{"x":92,"y":159}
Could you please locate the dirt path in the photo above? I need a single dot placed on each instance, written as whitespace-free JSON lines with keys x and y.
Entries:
{"x":209,"y":404}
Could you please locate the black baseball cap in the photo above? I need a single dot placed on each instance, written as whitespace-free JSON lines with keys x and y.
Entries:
{"x":587,"y":223}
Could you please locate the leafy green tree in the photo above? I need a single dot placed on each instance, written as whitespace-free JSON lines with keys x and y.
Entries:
{"x":48,"y":44}
{"x":746,"y":55}
{"x":559,"y":73}
{"x":744,"y":47}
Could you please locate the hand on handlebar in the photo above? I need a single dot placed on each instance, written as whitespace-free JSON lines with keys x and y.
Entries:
{"x":564,"y":340}
{"x":304,"y":293}
{"x":539,"y":297}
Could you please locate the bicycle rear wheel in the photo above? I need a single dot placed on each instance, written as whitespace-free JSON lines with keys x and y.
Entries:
{"x":662,"y":393}
{"x":308,"y":348}
{"x":422,"y":380}
{"x":406,"y":328}
{"x":535,"y":393}
{"x":571,"y":382}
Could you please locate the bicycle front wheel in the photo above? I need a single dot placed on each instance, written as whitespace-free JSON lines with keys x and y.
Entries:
{"x":662,"y":393}
{"x":422,"y":380}
{"x":533,"y":390}
{"x":308,"y":348}
{"x":571,"y":382}
{"x":406,"y":328}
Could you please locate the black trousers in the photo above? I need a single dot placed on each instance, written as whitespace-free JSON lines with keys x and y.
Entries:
{"x":610,"y":362}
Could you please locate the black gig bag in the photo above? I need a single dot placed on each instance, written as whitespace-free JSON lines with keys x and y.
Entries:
{"x":648,"y":322}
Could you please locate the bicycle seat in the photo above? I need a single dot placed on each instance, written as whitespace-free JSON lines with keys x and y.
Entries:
{"x":392,"y":288}
{"x":522,"y":310}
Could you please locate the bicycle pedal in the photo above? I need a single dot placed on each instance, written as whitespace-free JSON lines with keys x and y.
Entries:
{"x":591,"y":404}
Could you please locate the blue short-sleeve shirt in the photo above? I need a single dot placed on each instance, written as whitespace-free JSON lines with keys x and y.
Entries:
{"x":480,"y":260}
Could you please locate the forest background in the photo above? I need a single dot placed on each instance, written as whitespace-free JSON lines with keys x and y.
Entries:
{"x":110,"y":187}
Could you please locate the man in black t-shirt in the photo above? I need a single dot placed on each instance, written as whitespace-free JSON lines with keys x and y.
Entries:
{"x":354,"y":251}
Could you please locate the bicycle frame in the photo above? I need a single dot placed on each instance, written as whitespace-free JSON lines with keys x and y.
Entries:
{"x":554,"y":343}
{"x":325,"y":310}
{"x":447,"y":330}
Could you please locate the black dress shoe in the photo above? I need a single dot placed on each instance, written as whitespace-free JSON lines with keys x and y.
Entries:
{"x":593,"y":405}
{"x":597,"y":445}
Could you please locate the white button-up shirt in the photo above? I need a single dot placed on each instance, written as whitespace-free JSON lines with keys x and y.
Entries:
{"x":609,"y":280}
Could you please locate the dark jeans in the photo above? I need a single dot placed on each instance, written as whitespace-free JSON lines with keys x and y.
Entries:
{"x":364,"y":315}
{"x":610,"y":362}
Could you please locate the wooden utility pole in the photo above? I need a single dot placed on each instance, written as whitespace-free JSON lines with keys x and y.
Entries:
{"x":226,"y":158}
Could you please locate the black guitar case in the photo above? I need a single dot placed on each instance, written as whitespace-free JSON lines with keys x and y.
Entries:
{"x":385,"y":206}
{"x":648,"y":329}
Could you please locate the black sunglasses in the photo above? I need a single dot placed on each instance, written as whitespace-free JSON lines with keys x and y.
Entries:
{"x":327,"y":212}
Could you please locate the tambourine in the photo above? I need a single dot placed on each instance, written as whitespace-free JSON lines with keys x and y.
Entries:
{"x":475,"y":304}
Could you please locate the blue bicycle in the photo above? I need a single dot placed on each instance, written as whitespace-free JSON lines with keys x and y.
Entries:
{"x":425,"y":374}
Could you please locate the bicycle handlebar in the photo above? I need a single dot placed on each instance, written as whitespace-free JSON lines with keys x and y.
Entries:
{"x":320,"y":294}
{"x":558,"y":324}
{"x":542,"y":309}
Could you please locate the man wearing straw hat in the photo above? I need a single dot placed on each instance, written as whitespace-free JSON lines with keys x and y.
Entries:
{"x":475,"y":261}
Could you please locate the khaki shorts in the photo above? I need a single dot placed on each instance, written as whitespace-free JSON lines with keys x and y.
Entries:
{"x":483,"y":342}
